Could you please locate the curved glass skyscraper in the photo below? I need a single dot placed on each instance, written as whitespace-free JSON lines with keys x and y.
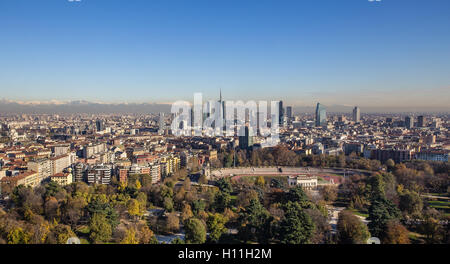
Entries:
{"x":321,"y":115}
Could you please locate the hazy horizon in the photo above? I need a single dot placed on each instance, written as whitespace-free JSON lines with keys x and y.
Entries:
{"x":85,"y":106}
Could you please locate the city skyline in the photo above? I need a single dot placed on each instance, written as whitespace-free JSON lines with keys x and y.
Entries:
{"x":356,"y":53}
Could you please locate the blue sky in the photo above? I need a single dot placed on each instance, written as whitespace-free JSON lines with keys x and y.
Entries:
{"x":393,"y":52}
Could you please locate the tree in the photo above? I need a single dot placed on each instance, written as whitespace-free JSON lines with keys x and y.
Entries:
{"x":134,"y":208}
{"x":51,"y":189}
{"x":73,"y":210}
{"x":322,"y":227}
{"x":39,"y":230}
{"x":351,"y":230}
{"x":100,"y":229}
{"x":276,"y":183}
{"x":298,"y":195}
{"x":168,"y":204}
{"x":390,"y":164}
{"x":172,"y":222}
{"x":142,"y":199}
{"x":18,"y":236}
{"x":431,"y":227}
{"x":216,"y":226}
{"x":179,"y":197}
{"x":329,"y":193}
{"x":130,"y":237}
{"x":25,"y":198}
{"x":396,"y":233}
{"x":177,"y":241}
{"x":52,"y":209}
{"x":390,"y":186}
{"x":198,"y":206}
{"x":244,"y":198}
{"x":146,"y":180}
{"x":59,"y":234}
{"x":254,"y":222}
{"x":145,"y":235}
{"x":222,"y":200}
{"x":377,"y":184}
{"x":296,"y":227}
{"x":202,"y":179}
{"x":186,"y":212}
{"x":260,"y":181}
{"x":229,"y":160}
{"x":101,"y":205}
{"x":187,"y":184}
{"x":410,"y":203}
{"x":195,"y":231}
{"x":224,"y":185}
{"x":381,"y":211}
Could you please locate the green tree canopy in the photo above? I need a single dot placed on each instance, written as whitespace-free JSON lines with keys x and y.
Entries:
{"x":297,"y":226}
{"x":100,"y":229}
{"x":195,"y":231}
{"x":216,"y":226}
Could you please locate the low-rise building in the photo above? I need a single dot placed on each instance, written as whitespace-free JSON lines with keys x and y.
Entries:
{"x":28,"y":179}
{"x":62,"y":179}
{"x":306,"y":182}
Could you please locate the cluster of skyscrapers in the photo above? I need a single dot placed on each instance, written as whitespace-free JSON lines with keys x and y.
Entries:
{"x":321,"y":115}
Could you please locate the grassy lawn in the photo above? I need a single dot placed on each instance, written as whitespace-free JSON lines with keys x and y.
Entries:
{"x":267,"y":179}
{"x":233,"y":199}
{"x":82,"y":230}
{"x":360,"y":213}
{"x":82,"y":233}
{"x":416,"y":238}
{"x":321,"y":180}
{"x":439,"y":194}
{"x":341,"y":202}
{"x":440,"y":205}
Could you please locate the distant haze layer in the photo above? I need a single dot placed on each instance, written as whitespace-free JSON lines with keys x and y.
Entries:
{"x":12,"y":107}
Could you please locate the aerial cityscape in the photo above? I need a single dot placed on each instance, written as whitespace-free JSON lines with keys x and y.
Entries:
{"x":127,"y":179}
{"x":224,"y":123}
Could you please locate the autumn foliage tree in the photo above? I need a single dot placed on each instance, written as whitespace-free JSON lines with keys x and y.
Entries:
{"x":396,"y":233}
{"x":351,"y":230}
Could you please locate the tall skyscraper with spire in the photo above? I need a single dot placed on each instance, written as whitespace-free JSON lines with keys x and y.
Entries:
{"x":222,"y":109}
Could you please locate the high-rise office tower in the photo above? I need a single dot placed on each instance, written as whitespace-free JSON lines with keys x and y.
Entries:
{"x":209,"y":109}
{"x":162,"y":124}
{"x":321,"y":115}
{"x":246,"y":138}
{"x":421,"y":121}
{"x":436,"y":123}
{"x":356,"y":114}
{"x":409,"y":122}
{"x":280,"y":113}
{"x":289,"y":112}
{"x":99,"y":125}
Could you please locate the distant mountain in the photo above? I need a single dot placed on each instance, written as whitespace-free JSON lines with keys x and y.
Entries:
{"x":82,"y":106}
{"x":8,"y":106}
